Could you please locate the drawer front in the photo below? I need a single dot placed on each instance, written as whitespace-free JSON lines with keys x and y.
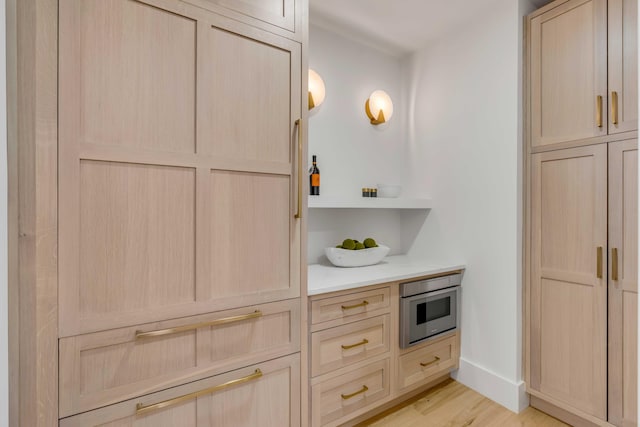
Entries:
{"x":107,"y":367}
{"x":349,"y":307}
{"x":343,"y":345}
{"x":436,"y":358}
{"x":338,"y":397}
{"x":266,"y":395}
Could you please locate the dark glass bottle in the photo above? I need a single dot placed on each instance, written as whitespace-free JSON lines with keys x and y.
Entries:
{"x":314,"y":179}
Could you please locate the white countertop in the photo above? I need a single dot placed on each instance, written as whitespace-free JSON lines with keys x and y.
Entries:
{"x":324,"y":278}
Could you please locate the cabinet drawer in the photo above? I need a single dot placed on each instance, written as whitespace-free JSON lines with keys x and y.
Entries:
{"x":266,"y":395}
{"x":340,"y":396}
{"x":343,"y":345}
{"x":435,"y":358}
{"x":103,"y":368}
{"x":349,"y":307}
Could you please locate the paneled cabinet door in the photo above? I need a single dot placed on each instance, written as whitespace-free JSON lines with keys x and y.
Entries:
{"x":623,"y":65}
{"x":568,"y":277}
{"x":176,"y":187}
{"x":623,"y":282}
{"x":568,"y":73}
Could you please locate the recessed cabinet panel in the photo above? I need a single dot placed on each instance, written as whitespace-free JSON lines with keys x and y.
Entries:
{"x":246,"y":97}
{"x":127,"y":74}
{"x":251,"y":237}
{"x":136,"y":237}
{"x":569,"y":276}
{"x":569,"y":72}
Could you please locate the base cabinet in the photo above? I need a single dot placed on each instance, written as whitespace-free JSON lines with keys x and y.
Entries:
{"x":266,"y":394}
{"x":357,"y":366}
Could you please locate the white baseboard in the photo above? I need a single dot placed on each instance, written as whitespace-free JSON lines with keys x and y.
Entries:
{"x":511,"y":395}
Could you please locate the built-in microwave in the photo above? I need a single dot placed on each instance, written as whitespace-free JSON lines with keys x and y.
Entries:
{"x":429,"y":308}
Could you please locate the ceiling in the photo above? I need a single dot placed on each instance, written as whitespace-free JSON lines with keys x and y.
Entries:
{"x":398,"y":26}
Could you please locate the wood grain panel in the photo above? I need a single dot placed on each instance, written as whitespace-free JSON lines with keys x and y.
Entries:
{"x":272,"y":400}
{"x":568,"y":71}
{"x":280,"y":13}
{"x":246,"y":97}
{"x":569,"y":307}
{"x":136,"y":237}
{"x":328,"y":353}
{"x":623,"y":62}
{"x":144,"y":76}
{"x":250,"y":224}
{"x":330,"y":408}
{"x":623,"y":292}
{"x":411,"y":371}
{"x":349,"y":307}
{"x":107,"y":367}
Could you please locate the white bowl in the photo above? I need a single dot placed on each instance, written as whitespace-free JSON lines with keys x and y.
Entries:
{"x":360,"y":258}
{"x":387,"y":190}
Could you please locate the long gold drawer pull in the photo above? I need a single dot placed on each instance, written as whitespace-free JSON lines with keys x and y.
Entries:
{"x":424,"y":365}
{"x":614,"y":263}
{"x":364,"y":389}
{"x":599,"y":111}
{"x":142,"y":409}
{"x":363,"y":342}
{"x":599,"y":263}
{"x":299,"y":211}
{"x":362,"y":304}
{"x":141,"y":334}
{"x":614,"y":107}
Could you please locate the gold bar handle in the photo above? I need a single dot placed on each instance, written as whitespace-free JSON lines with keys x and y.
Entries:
{"x":614,"y":263}
{"x":614,"y":107}
{"x":599,"y":263}
{"x":362,"y":304}
{"x":299,"y":211}
{"x":436,"y":360}
{"x":141,"y":334}
{"x":599,"y":111}
{"x":142,"y":409}
{"x":363,"y":342}
{"x":364,"y":389}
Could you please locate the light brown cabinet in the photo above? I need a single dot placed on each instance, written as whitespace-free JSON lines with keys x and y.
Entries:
{"x":174,"y":215}
{"x":357,"y":365}
{"x":582,"y":71}
{"x":623,"y":282}
{"x":583,"y":287}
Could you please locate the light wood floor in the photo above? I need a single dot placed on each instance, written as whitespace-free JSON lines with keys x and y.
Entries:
{"x":451,"y":404}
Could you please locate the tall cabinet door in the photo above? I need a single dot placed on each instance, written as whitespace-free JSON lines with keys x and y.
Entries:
{"x":568,"y":71}
{"x":623,"y":282}
{"x":176,"y":140}
{"x":568,"y":282}
{"x":623,"y":65}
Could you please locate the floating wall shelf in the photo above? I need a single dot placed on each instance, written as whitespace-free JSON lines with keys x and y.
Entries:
{"x":368,"y":203}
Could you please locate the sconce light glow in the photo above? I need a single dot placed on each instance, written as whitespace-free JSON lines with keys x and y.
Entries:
{"x":379,"y":107}
{"x":316,"y":89}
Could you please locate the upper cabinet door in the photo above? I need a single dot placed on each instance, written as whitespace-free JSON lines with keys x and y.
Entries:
{"x":623,"y":65}
{"x":176,"y":139}
{"x":568,"y":69}
{"x":623,"y":282}
{"x":280,"y":16}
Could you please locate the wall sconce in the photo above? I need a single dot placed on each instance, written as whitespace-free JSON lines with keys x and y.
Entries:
{"x":379,"y":107}
{"x":316,"y":89}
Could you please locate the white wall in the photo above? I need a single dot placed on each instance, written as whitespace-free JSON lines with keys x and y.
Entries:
{"x":351,"y":152}
{"x":4,"y":344}
{"x":464,"y":138}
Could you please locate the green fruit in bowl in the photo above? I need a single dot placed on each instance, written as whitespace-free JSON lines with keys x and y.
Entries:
{"x":339,"y":246}
{"x":348,"y":244}
{"x":359,"y":246}
{"x":370,"y":243}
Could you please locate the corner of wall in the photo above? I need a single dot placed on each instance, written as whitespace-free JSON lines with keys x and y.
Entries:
{"x":511,"y":395}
